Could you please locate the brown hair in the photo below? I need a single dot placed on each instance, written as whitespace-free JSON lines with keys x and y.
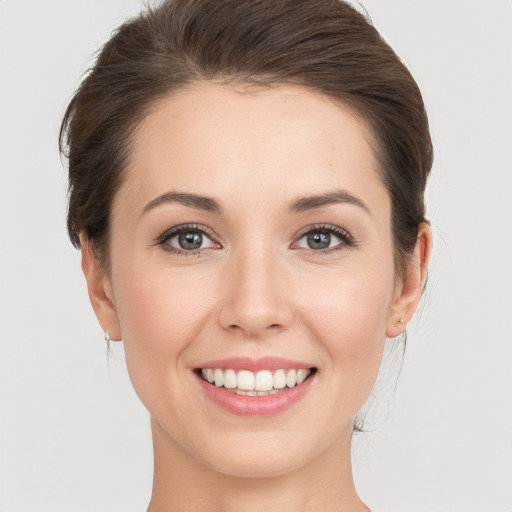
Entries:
{"x":324,"y":45}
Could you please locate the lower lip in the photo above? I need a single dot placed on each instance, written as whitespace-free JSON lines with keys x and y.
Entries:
{"x":243,"y":405}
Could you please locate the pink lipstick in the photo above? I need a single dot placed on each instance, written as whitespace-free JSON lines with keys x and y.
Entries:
{"x":255,"y":387}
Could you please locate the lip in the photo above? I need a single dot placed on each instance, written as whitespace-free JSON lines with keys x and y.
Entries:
{"x":255,"y":406}
{"x":255,"y":365}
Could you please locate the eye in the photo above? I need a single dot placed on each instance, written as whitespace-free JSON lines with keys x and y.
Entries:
{"x":324,"y":239}
{"x":187,"y":240}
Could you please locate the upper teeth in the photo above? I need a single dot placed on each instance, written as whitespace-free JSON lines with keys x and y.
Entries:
{"x":263,"y":380}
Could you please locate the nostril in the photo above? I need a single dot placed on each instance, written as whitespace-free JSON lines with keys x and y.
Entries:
{"x":249,"y":329}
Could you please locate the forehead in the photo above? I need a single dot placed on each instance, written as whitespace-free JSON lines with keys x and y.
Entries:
{"x":242,"y":144}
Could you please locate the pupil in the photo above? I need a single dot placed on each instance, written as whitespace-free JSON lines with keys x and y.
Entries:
{"x":190,"y":240}
{"x":319,"y":240}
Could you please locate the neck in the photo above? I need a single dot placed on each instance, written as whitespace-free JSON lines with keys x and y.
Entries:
{"x":183,"y":484}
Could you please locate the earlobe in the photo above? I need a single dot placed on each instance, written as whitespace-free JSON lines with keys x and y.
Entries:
{"x":409,"y":292}
{"x":100,"y":290}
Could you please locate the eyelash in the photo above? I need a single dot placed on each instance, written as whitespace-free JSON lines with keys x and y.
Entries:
{"x":346,"y":239}
{"x":171,"y":233}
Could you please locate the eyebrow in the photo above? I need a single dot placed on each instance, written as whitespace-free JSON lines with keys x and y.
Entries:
{"x":191,"y":200}
{"x":313,"y":202}
{"x":298,"y":206}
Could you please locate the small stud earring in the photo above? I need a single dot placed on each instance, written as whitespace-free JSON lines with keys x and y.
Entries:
{"x":401,"y":321}
{"x":107,"y":339}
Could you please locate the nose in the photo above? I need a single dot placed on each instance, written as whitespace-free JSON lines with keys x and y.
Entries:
{"x":254,"y":299}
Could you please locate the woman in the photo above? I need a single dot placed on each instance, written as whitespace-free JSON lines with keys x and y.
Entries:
{"x":246,"y":187}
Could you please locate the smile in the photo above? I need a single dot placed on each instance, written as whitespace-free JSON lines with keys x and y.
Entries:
{"x":255,"y":387}
{"x":261,"y":383}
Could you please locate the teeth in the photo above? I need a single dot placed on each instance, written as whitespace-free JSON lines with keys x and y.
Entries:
{"x":219,"y":377}
{"x":280,"y":379}
{"x":245,"y":380}
{"x":291,"y":378}
{"x":264,"y":381}
{"x":261,"y":383}
{"x":301,"y":376}
{"x":230,"y":379}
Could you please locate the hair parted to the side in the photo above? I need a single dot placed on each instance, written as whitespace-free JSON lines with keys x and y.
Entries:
{"x":324,"y":45}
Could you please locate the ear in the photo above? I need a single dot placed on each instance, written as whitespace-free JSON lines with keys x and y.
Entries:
{"x":100,"y":290}
{"x":410,"y":287}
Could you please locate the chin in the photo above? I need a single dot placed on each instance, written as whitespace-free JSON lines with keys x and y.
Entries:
{"x":259,"y":454}
{"x":249,"y":465}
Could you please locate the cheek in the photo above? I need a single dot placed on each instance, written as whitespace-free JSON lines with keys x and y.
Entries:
{"x":160,"y":315}
{"x":348,"y":318}
{"x":349,"y":306}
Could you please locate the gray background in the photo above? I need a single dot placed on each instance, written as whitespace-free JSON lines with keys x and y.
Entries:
{"x":73,"y":435}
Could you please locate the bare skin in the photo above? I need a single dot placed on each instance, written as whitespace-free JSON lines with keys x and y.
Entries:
{"x":261,"y":163}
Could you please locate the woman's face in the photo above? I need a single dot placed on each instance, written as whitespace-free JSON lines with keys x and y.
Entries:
{"x":253,"y":234}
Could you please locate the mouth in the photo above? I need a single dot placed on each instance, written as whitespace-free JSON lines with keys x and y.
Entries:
{"x":255,"y":384}
{"x":259,"y":387}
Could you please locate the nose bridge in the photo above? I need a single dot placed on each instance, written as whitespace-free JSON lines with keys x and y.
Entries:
{"x":253,"y":300}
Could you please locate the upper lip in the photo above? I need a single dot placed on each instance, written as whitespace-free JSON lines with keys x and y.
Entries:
{"x":255,"y":365}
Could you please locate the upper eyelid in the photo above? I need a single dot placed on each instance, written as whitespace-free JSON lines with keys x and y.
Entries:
{"x":176,"y":230}
{"x":327,"y":227}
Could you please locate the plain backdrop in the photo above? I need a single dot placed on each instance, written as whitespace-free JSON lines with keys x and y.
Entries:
{"x":73,"y":435}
